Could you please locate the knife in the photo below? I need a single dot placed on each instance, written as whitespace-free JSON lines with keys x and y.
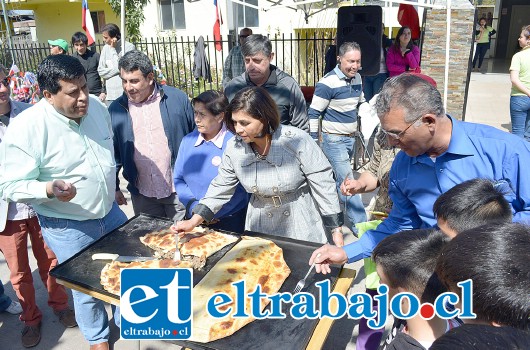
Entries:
{"x":121,"y":258}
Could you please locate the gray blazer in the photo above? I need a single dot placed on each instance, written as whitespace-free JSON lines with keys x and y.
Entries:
{"x":292,"y":189}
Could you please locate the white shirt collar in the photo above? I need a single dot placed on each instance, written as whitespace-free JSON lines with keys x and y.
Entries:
{"x":217,"y":140}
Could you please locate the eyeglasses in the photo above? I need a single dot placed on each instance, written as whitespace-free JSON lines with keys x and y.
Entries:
{"x":5,"y":81}
{"x":396,"y":136}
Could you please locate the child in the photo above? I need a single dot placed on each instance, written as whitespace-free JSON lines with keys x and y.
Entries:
{"x":495,"y":257}
{"x":470,"y":204}
{"x":405,"y":262}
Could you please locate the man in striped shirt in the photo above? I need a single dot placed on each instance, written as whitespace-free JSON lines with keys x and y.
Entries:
{"x":335,"y":102}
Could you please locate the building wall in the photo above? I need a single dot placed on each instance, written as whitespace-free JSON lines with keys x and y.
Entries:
{"x":281,"y":20}
{"x":433,"y":52}
{"x":509,"y":22}
{"x":61,"y":20}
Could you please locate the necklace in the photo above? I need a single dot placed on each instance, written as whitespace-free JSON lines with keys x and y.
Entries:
{"x":259,"y":156}
{"x":265,"y":150}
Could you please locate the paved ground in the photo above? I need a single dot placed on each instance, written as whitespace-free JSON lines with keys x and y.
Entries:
{"x":488,"y":103}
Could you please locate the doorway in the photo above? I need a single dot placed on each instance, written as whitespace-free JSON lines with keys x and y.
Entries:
{"x":519,"y":18}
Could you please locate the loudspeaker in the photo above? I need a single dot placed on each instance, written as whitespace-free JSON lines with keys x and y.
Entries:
{"x":364,"y":25}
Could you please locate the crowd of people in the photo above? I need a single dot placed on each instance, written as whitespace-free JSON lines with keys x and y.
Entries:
{"x":253,"y":157}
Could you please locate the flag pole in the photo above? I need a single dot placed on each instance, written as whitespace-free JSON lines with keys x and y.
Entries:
{"x":122,"y":25}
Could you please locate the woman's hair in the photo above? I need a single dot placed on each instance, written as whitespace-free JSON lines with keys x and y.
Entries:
{"x":485,"y":20}
{"x":112,"y":30}
{"x":214,"y":101}
{"x":397,"y":42}
{"x":257,"y":103}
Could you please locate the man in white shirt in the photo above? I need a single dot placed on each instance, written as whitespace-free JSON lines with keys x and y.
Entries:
{"x":18,"y":223}
{"x":64,"y":139}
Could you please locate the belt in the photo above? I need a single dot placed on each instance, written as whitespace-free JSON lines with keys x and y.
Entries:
{"x":353,"y":134}
{"x":282,"y":198}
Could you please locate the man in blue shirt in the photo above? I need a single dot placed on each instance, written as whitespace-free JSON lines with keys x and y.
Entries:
{"x":438,"y":152}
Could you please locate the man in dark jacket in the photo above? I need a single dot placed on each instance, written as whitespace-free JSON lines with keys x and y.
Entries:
{"x":90,"y":61}
{"x":257,"y":51}
{"x":149,"y":122}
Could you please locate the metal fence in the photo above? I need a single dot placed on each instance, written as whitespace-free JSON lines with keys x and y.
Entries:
{"x":300,"y":55}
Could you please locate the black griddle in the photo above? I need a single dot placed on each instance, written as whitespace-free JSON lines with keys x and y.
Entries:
{"x":288,"y":333}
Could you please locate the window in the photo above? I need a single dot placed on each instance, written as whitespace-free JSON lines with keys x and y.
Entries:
{"x":172,"y":14}
{"x":247,"y":16}
{"x":98,"y":18}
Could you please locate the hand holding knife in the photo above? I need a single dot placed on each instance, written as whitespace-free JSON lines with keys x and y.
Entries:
{"x":62,"y":190}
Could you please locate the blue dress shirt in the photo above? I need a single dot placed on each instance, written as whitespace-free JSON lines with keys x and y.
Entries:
{"x":475,"y":151}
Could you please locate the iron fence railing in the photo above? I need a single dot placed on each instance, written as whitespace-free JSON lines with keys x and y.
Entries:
{"x":300,"y":55}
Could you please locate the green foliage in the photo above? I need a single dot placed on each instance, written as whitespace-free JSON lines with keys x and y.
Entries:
{"x":134,"y":17}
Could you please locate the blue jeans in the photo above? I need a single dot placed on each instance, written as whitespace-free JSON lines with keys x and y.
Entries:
{"x":373,"y":85}
{"x":5,"y":300}
{"x":480,"y":53}
{"x":66,"y":238}
{"x":520,"y":114}
{"x":339,"y":150}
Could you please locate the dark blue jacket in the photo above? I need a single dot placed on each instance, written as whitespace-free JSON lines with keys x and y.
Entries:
{"x":18,"y":107}
{"x":178,"y":121}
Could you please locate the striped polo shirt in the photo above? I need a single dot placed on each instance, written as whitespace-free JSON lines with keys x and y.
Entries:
{"x":335,"y":101}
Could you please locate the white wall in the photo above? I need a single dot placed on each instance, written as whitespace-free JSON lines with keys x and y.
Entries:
{"x":200,"y":19}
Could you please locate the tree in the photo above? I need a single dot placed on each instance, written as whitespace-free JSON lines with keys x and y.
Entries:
{"x":134,"y":17}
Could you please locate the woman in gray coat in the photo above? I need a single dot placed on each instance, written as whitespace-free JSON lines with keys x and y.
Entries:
{"x":288,"y":176}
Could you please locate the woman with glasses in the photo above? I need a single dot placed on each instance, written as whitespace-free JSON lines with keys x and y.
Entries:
{"x":199,"y":158}
{"x":403,"y":56}
{"x":293,"y":193}
{"x":520,"y":96}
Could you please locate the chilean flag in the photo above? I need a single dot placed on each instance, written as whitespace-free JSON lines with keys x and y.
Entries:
{"x":217,"y":27}
{"x":87,"y":24}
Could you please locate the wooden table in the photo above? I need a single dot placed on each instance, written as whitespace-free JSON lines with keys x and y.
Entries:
{"x":322,"y":329}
